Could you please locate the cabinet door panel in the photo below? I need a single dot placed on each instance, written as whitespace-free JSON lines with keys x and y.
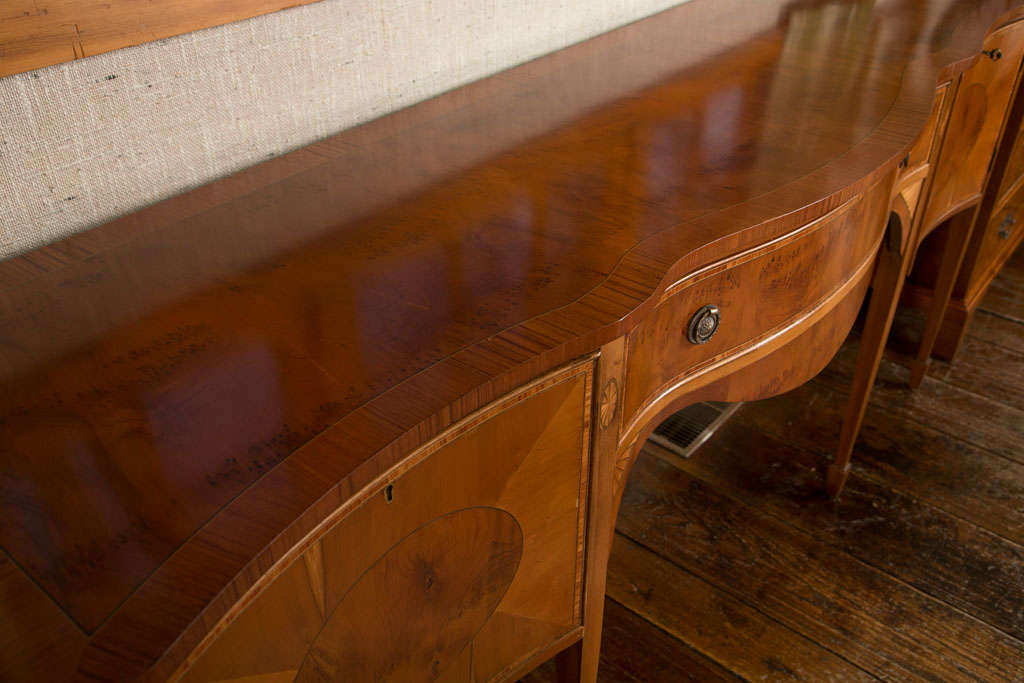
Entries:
{"x":466,"y":558}
{"x":975,"y":123}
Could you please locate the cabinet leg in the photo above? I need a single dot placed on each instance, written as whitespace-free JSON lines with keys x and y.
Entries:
{"x":952,"y":332}
{"x":960,"y":229}
{"x":568,"y":664}
{"x":885,"y":295}
{"x":603,"y":507}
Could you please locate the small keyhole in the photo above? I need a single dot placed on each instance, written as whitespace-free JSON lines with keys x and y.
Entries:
{"x":389,"y":493}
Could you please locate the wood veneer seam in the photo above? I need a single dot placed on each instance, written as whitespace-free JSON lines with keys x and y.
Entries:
{"x":43,"y":590}
{"x":370,"y":567}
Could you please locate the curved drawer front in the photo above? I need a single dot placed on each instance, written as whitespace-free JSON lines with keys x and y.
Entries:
{"x":453,"y":568}
{"x":757,"y":293}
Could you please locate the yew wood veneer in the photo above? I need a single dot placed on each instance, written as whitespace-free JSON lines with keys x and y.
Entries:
{"x":365,"y":411}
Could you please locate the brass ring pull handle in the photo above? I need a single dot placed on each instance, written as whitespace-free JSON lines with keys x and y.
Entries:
{"x":703,"y":324}
{"x":995,"y":54}
{"x":1004,"y":227}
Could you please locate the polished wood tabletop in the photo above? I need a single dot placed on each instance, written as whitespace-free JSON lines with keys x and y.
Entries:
{"x":186,"y":391}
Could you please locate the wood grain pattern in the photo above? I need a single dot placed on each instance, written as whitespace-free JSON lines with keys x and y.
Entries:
{"x":872,"y":524}
{"x":756,"y":292}
{"x":420,"y":605}
{"x":877,"y":623}
{"x":484,"y":565}
{"x":912,"y":458}
{"x":193,"y":396}
{"x":35,"y":34}
{"x":755,"y":646}
{"x":995,"y":426}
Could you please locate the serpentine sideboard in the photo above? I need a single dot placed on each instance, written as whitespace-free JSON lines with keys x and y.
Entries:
{"x":365,"y":411}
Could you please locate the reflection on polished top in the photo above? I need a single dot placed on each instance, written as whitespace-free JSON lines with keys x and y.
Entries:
{"x":232,"y":353}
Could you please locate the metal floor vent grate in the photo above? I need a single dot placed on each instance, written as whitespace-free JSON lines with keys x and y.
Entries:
{"x":684,"y":432}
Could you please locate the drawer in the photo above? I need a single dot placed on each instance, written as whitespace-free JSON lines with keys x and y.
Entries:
{"x":453,"y":568}
{"x":754,"y":294}
{"x":1001,"y":234}
{"x":975,"y":122}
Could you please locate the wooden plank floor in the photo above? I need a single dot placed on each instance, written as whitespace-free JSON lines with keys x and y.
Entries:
{"x":733,"y":565}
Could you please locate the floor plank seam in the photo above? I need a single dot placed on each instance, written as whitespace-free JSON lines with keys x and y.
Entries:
{"x":740,"y":599}
{"x":929,"y":425}
{"x":669,"y":634}
{"x":864,"y":474}
{"x":932,"y":504}
{"x":732,"y":494}
{"x":1004,"y":316}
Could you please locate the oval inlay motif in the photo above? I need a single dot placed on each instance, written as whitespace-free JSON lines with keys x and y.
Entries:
{"x":418,"y":606}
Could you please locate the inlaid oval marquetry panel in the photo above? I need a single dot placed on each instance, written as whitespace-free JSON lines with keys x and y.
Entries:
{"x":471,"y":561}
{"x":418,"y":607}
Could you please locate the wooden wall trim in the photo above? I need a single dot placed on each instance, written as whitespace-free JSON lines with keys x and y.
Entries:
{"x":39,"y":33}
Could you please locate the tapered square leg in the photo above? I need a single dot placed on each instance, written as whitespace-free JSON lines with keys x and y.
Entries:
{"x":949,"y":268}
{"x":885,"y":295}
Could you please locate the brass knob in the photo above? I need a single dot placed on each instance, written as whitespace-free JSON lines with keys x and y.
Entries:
{"x":703,"y":324}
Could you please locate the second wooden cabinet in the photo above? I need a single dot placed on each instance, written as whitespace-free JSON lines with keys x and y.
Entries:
{"x":975,"y":124}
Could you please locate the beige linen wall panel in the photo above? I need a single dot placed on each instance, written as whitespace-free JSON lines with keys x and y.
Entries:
{"x":86,"y":141}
